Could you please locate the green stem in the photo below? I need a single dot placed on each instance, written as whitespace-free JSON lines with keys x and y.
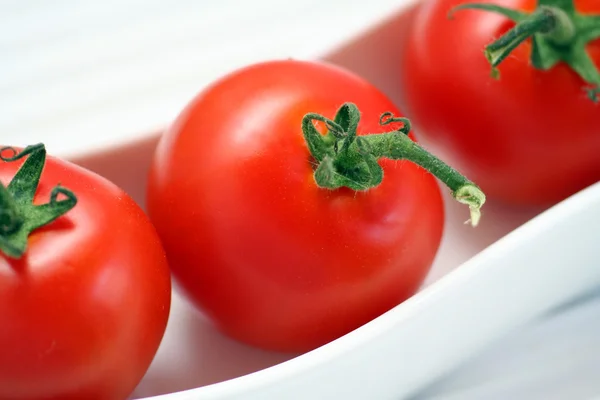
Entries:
{"x":18,"y":215}
{"x":401,"y":147}
{"x":545,"y":20}
{"x":350,"y":161}
{"x":10,"y":220}
{"x":558,"y":33}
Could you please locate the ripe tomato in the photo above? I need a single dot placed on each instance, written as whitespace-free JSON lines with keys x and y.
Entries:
{"x":529,"y":137}
{"x":83,"y":310}
{"x":275,"y":260}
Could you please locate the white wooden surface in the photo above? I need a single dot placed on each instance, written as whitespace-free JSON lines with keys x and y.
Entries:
{"x":81,"y":74}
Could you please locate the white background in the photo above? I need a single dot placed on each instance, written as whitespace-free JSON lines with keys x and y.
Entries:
{"x":82,"y":74}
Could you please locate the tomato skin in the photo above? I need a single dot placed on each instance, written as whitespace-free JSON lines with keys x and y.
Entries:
{"x":272,"y":259}
{"x":83,"y":312}
{"x":530,"y":137}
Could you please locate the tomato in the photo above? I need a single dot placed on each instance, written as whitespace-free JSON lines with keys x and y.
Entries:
{"x":275,"y":260}
{"x":531,"y":136}
{"x":84,"y":300}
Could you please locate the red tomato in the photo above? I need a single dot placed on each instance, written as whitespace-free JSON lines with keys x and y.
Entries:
{"x":529,"y":137}
{"x":83,"y":311}
{"x":273,"y":259}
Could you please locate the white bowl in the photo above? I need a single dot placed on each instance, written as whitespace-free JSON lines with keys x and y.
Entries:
{"x":479,"y":289}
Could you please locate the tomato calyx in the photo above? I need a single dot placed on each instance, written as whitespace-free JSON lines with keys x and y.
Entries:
{"x":558,"y":33}
{"x":344,"y":159}
{"x":18,"y":215}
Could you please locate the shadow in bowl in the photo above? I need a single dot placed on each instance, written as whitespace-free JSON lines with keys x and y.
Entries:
{"x":209,"y":356}
{"x":126,"y":166}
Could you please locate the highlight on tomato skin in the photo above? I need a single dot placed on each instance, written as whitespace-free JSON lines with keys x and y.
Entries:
{"x":85,"y":288}
{"x":510,"y":88}
{"x":288,"y":207}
